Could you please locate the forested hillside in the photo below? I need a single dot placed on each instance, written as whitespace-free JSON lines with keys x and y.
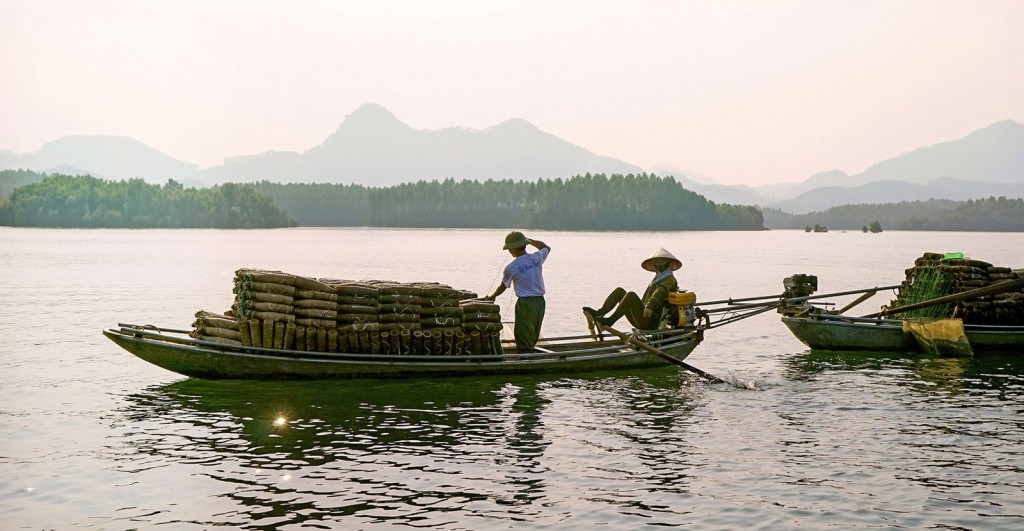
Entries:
{"x":984,"y":215}
{"x":584,"y":202}
{"x":82,"y":201}
{"x":11,"y":179}
{"x":989,"y":215}
{"x":320,"y":204}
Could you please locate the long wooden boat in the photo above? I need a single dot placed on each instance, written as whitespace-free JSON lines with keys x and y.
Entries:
{"x":823,"y":331}
{"x":175,"y":351}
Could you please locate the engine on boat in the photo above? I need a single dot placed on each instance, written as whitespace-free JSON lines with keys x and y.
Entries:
{"x":796,"y":286}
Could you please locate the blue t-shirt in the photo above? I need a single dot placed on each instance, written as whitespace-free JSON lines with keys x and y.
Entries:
{"x":525,"y":273}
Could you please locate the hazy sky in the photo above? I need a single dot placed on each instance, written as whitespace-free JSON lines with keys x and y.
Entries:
{"x":750,"y":92}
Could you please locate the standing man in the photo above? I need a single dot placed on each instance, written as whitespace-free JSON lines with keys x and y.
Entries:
{"x":525,"y":272}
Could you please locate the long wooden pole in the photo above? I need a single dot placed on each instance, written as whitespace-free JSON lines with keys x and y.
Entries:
{"x":779,"y":298}
{"x":795,"y":299}
{"x":859,"y":300}
{"x":632,"y":340}
{"x":980,"y":292}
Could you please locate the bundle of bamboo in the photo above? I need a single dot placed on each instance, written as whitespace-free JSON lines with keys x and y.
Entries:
{"x":273,"y":309}
{"x":264,"y":306}
{"x":316,"y":315}
{"x":481,"y":321}
{"x":217,"y":327}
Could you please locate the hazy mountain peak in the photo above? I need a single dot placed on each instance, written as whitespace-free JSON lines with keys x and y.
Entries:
{"x":372,"y":146}
{"x":83,"y":143}
{"x":994,"y":153}
{"x":829,"y":178}
{"x":114,"y":157}
{"x":517,"y":124}
{"x":668,"y":169}
{"x":372,"y":116}
{"x":371,"y":123}
{"x":1001,"y":127}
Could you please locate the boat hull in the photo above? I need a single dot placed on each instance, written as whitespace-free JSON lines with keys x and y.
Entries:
{"x":200,"y":359}
{"x":852,"y":334}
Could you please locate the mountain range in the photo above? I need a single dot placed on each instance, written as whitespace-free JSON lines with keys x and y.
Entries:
{"x":987,"y":162}
{"x":373,"y":147}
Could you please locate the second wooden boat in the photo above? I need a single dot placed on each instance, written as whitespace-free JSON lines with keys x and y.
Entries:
{"x":824,"y":331}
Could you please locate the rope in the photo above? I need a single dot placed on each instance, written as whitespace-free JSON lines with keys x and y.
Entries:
{"x":501,"y":270}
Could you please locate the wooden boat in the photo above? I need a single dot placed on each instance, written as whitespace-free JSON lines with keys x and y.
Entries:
{"x":175,"y":351}
{"x":824,"y":331}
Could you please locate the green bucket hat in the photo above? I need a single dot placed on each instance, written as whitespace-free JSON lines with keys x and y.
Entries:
{"x":515,"y":240}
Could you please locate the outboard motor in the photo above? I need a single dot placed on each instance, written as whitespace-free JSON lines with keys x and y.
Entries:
{"x":797,"y":286}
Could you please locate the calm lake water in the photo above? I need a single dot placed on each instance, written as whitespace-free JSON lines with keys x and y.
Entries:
{"x":92,"y":437}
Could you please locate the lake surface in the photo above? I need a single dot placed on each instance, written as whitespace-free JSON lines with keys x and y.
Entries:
{"x":93,"y":437}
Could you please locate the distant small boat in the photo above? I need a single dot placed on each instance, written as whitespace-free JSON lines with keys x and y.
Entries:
{"x":823,"y":331}
{"x":175,"y":351}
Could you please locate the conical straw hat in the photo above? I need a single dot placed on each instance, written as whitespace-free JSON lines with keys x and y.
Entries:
{"x":662,"y":254}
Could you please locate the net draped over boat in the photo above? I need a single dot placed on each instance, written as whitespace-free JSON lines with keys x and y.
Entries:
{"x":273,"y":309}
{"x":936,"y":275}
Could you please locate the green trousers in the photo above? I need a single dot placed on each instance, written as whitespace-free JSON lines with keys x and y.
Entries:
{"x":529,"y":316}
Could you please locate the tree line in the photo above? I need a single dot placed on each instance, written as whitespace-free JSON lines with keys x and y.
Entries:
{"x":83,"y":201}
{"x":583,"y":202}
{"x":11,"y":179}
{"x":984,"y":215}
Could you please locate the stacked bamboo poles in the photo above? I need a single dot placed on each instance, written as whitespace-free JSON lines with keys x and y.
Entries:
{"x":316,"y":312}
{"x":399,"y":317}
{"x":441,"y":319}
{"x":273,"y":309}
{"x":264,"y":307}
{"x":358,"y":316}
{"x":935,"y":275}
{"x":220,"y":328}
{"x":481,"y":320}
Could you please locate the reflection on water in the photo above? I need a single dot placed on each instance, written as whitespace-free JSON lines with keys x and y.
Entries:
{"x":409,"y":451}
{"x":950,"y":430}
{"x":93,"y":437}
{"x":979,"y":376}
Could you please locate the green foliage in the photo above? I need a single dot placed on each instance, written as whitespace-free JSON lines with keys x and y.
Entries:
{"x":928,"y":283}
{"x":320,"y":204}
{"x":11,"y":179}
{"x":82,"y":201}
{"x":448,"y":203}
{"x":991,"y":215}
{"x":583,"y":202}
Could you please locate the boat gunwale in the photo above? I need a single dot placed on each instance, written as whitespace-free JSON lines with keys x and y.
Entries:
{"x":185,"y":343}
{"x":896,"y":323}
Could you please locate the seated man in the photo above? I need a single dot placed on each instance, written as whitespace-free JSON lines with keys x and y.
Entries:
{"x":645,"y":313}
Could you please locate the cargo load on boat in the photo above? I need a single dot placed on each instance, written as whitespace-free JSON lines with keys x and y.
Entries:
{"x":278,"y":310}
{"x":937,"y":275}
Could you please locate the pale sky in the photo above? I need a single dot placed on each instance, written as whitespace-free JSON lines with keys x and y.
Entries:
{"x":751,"y":92}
